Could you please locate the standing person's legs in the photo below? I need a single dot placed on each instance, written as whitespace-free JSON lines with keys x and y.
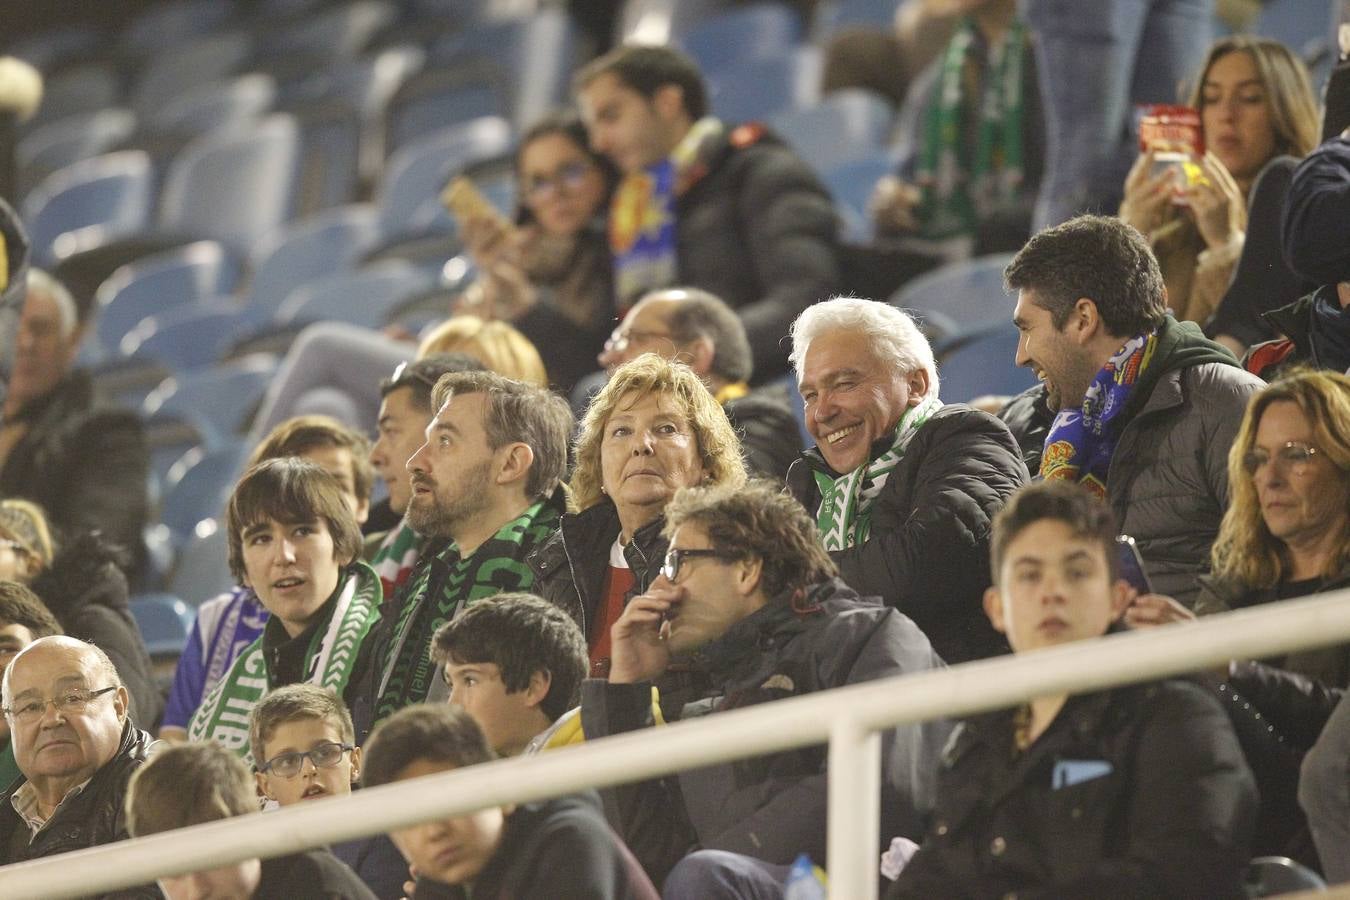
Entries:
{"x":1087,"y":67}
{"x":329,"y":357}
{"x":1324,"y":794}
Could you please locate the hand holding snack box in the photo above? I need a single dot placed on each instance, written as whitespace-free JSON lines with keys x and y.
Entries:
{"x":1175,"y":137}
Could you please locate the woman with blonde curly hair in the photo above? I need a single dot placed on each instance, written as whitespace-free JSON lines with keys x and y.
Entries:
{"x":653,"y":429}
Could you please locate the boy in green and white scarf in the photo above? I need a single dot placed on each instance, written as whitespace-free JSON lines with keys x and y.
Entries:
{"x":294,"y":539}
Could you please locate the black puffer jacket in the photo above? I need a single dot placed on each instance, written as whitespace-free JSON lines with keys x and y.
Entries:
{"x":97,"y":815}
{"x":759,"y":231}
{"x":928,"y":554}
{"x":87,"y":592}
{"x":773,"y":807}
{"x":768,"y":432}
{"x":1140,"y":792}
{"x":570,"y":567}
{"x":13,"y":291}
{"x":86,"y":464}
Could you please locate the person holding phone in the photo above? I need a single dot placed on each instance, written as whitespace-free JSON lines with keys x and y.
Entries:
{"x":1257,"y":110}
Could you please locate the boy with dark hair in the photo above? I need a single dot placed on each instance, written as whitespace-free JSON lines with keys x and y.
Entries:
{"x":23,"y":619}
{"x":192,"y":784}
{"x":534,"y":851}
{"x":1136,"y":791}
{"x":515,"y":663}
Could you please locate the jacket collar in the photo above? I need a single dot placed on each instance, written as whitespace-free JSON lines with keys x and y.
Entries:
{"x":785,"y":616}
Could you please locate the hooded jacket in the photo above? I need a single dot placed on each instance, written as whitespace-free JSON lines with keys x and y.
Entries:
{"x":87,"y":593}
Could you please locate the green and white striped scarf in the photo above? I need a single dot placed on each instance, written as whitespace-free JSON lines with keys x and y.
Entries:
{"x":845,"y":513}
{"x":223,"y":716}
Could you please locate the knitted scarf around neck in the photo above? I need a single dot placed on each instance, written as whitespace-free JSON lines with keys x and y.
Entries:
{"x":844,"y":516}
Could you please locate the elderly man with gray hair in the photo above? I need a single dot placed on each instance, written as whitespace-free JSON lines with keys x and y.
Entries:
{"x":61,"y":445}
{"x":903,"y":487}
{"x":75,"y":747}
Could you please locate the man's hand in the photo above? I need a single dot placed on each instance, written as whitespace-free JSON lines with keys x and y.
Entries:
{"x":638,"y":648}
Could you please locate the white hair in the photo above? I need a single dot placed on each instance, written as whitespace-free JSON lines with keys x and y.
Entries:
{"x":40,"y":282}
{"x":892,"y":333}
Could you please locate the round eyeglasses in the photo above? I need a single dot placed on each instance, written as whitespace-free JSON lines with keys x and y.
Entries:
{"x":1293,"y":457}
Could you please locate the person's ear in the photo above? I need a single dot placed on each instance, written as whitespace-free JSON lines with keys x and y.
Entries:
{"x":668,"y":101}
{"x":993,"y":608}
{"x":917,"y":382}
{"x":748,"y":575}
{"x":699,"y":354}
{"x":514,"y":463}
{"x":362,"y":511}
{"x":1121,"y":596}
{"x":121,"y":701}
{"x":541,"y":680}
{"x":1085,"y":321}
{"x":356,"y":765}
{"x":261,"y":780}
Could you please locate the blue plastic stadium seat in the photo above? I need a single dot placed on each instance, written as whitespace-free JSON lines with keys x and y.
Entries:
{"x":84,"y":88}
{"x":198,"y":486}
{"x":846,"y":125}
{"x":218,"y":401}
{"x":186,"y":337}
{"x":88,"y":202}
{"x":164,"y":622}
{"x":202,"y":569}
{"x":367,"y":297}
{"x":851,"y":186}
{"x":754,"y":89}
{"x":983,"y":362}
{"x":154,"y":284}
{"x":747,"y":32}
{"x":167,"y":25}
{"x":216,"y":105}
{"x":864,"y":13}
{"x":438,"y":98}
{"x":409,"y":197}
{"x":302,"y":251}
{"x":68,"y":140}
{"x":186,"y":65}
{"x":969,"y":293}
{"x":334,"y":32}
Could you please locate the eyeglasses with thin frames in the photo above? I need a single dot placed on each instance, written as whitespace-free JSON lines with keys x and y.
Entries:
{"x":676,"y":556}
{"x":569,"y":176}
{"x":324,"y":756}
{"x":70,"y":703}
{"x":1294,"y":457}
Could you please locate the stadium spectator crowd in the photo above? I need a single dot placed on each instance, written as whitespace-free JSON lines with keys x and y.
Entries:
{"x":651,"y":462}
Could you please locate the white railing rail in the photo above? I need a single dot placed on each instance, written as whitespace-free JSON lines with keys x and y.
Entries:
{"x":847,"y":718}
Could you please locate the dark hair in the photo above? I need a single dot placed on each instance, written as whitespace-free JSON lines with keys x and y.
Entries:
{"x":516,"y":412}
{"x":759,"y":520}
{"x":1064,"y":501}
{"x":646,"y":69}
{"x":520,"y":634}
{"x":564,"y":123}
{"x":701,"y":314}
{"x":20,"y":606}
{"x":420,"y":376}
{"x":188,"y":784}
{"x":292,"y":702}
{"x":290,"y":490}
{"x":1099,"y":258}
{"x":437,"y":732}
{"x":301,"y":434}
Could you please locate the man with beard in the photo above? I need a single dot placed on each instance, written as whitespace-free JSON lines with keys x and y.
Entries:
{"x":486,"y":484}
{"x":1144,"y":407}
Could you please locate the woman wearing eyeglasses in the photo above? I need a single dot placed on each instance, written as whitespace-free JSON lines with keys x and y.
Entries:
{"x":549,"y":273}
{"x":653,"y":429}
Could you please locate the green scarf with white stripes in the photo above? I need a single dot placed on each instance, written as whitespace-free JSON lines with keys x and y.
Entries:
{"x":224,"y":714}
{"x":844,"y":516}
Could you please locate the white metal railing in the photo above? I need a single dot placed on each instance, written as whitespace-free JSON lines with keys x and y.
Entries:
{"x":847,"y":718}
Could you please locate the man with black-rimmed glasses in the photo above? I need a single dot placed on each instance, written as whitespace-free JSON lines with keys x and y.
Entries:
{"x":75,"y":747}
{"x":750,"y":599}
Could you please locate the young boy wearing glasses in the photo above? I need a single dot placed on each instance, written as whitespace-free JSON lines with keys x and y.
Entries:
{"x":749,"y":596}
{"x":304,"y":744}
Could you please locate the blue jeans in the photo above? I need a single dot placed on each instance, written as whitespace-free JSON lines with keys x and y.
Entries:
{"x":719,"y":875}
{"x":1097,"y":61}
